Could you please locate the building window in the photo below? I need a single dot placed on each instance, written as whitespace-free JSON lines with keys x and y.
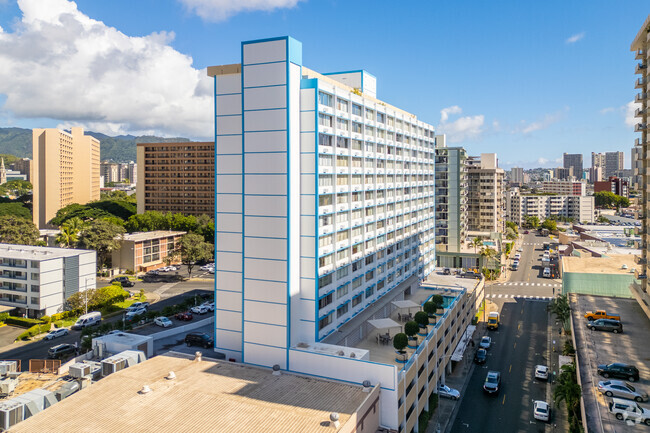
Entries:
{"x":325,"y":321}
{"x":35,"y":276}
{"x":325,"y":120}
{"x":341,"y":104}
{"x":342,"y":272}
{"x":325,"y":140}
{"x":357,"y":300}
{"x":35,"y":288}
{"x":35,"y":264}
{"x":356,"y":109}
{"x":325,"y":301}
{"x":325,"y":280}
{"x":342,"y":291}
{"x":325,"y":99}
{"x":370,"y":291}
{"x":34,"y":301}
{"x":342,"y":310}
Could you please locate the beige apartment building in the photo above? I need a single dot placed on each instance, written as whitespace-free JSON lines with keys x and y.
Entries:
{"x":176,"y":177}
{"x":640,"y":45}
{"x":66,"y":171}
{"x":486,"y":196}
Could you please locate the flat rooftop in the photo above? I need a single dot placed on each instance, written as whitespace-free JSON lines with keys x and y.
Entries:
{"x":28,"y":252}
{"x":207,"y":396}
{"x":147,"y":236}
{"x":612,"y":264}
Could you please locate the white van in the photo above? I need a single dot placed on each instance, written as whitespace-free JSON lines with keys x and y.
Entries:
{"x":547,"y":273}
{"x":90,"y":319}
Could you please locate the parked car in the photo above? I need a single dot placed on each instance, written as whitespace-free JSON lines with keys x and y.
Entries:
{"x":605,"y":325}
{"x":517,"y":256}
{"x":130,"y":315}
{"x":520,"y":250}
{"x":185,"y":316}
{"x":547,"y":272}
{"x":89,"y":319}
{"x":209,"y":306}
{"x":619,"y":388}
{"x":481,"y":356}
{"x":61,"y":350}
{"x":601,"y":314}
{"x":445,"y":391}
{"x":198,"y":339}
{"x":492,"y":382}
{"x":446,"y":271}
{"x":541,"y":372}
{"x":619,"y":370}
{"x":526,"y":232}
{"x":486,"y":342}
{"x":124,"y":281}
{"x":541,"y":410}
{"x":162,"y":321}
{"x":471,"y":274}
{"x":199,"y":309}
{"x":629,"y":411}
{"x":56,"y":333}
{"x":138,"y":306}
{"x":153,"y":272}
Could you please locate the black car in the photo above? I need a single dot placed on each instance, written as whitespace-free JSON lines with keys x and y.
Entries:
{"x":198,"y":339}
{"x":619,"y":370}
{"x":124,"y":281}
{"x":61,"y":350}
{"x":481,"y":356}
{"x":446,"y":271}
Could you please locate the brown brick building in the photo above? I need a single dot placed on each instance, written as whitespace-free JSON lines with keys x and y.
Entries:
{"x":176,"y":177}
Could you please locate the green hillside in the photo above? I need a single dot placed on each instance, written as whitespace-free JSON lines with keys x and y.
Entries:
{"x":18,"y":142}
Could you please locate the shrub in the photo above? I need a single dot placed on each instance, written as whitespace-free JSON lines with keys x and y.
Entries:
{"x":22,"y":322}
{"x":4,"y":316}
{"x":400,"y":341}
{"x":46,"y":319}
{"x":168,"y":311}
{"x":33,"y":331}
{"x":430,"y":308}
{"x":437,"y":300}
{"x":422,"y":319}
{"x":411,"y":328}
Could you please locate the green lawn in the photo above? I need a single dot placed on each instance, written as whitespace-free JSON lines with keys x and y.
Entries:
{"x":64,"y":323}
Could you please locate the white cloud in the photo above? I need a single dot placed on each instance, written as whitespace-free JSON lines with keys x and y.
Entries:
{"x":607,"y":110}
{"x":61,"y":64}
{"x":575,"y":38}
{"x":630,"y":108}
{"x":219,"y":10}
{"x":542,"y":161}
{"x":461,"y":129}
{"x":545,"y":122}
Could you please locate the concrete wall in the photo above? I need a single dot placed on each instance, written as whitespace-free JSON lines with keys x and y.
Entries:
{"x":617,"y":285}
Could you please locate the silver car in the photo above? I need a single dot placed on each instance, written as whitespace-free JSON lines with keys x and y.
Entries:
{"x":622,"y":389}
{"x":445,"y":391}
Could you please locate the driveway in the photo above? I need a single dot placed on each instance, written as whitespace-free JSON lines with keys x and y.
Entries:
{"x":8,"y":334}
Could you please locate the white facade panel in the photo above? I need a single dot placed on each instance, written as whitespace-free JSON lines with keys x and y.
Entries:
{"x":228,"y":300}
{"x":265,"y":334}
{"x":307,"y":268}
{"x":229,"y":242}
{"x":228,"y":84}
{"x":228,"y":184}
{"x":307,"y":247}
{"x":265,"y":270}
{"x":229,"y":339}
{"x":308,"y":205}
{"x":308,"y":225}
{"x":228,"y":202}
{"x":272,"y":74}
{"x":266,"y":141}
{"x":271,"y":184}
{"x":265,"y":355}
{"x":229,"y":144}
{"x":264,"y":52}
{"x":264,"y":248}
{"x":229,"y":104}
{"x":265,"y":205}
{"x":308,"y":165}
{"x":265,"y":291}
{"x":266,"y":227}
{"x":229,"y":320}
{"x":265,"y":120}
{"x":307,"y":141}
{"x":228,"y":281}
{"x":227,"y":222}
{"x":307,"y":99}
{"x":229,"y":261}
{"x":228,"y":164}
{"x":308,"y":183}
{"x":307,"y":121}
{"x":229,"y":125}
{"x":266,"y":163}
{"x":264,"y":98}
{"x":275,"y":314}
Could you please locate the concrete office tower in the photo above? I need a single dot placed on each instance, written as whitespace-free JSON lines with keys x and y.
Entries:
{"x":640,"y":46}
{"x":486,"y":194}
{"x":175,"y":177}
{"x":615,"y":185}
{"x":597,"y":160}
{"x":23,"y":166}
{"x":66,"y":171}
{"x":637,"y":167}
{"x":562,"y":173}
{"x":573,"y":161}
{"x":324,"y":206}
{"x":614,"y":163}
{"x":595,"y":174}
{"x":517,"y":176}
{"x":451,"y":196}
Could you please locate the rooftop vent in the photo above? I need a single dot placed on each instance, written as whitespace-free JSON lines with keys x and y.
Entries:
{"x":276,"y":370}
{"x":145,"y":390}
{"x":367,"y":386}
{"x":171,"y":376}
{"x":340,"y":353}
{"x":334,"y":420}
{"x":198,"y":356}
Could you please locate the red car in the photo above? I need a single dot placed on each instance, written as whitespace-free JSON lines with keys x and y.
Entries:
{"x":526,"y":232}
{"x":184,"y":316}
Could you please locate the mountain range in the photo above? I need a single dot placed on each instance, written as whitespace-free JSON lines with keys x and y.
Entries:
{"x":121,"y":148}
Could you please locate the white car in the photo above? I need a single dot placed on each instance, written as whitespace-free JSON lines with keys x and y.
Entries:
{"x":56,"y":333}
{"x":209,"y":306}
{"x":517,"y":256}
{"x":629,"y":411}
{"x":162,"y":321}
{"x":137,"y":312}
{"x":547,"y":272}
{"x":541,"y":410}
{"x":445,"y":391}
{"x":199,"y":309}
{"x":486,"y":342}
{"x":519,"y":250}
{"x":541,"y":372}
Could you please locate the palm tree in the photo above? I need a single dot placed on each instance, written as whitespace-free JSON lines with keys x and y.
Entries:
{"x":561,"y":309}
{"x":477,"y":242}
{"x":488,"y":253}
{"x":67,"y":237}
{"x":567,"y":389}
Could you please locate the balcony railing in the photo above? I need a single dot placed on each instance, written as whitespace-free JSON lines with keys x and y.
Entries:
{"x":641,"y":82}
{"x":639,"y":260}
{"x":640,"y":54}
{"x":641,"y":68}
{"x":640,"y":97}
{"x":639,"y":112}
{"x":639,"y":127}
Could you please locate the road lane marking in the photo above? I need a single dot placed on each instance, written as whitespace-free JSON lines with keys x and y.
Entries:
{"x":504,"y":400}
{"x":515,"y":345}
{"x":519,"y":327}
{"x":510,"y":369}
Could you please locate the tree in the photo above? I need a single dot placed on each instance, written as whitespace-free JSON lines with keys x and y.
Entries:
{"x":400,"y":341}
{"x":192,"y":248}
{"x":488,"y":254}
{"x":117,"y":196}
{"x":510,"y":233}
{"x":102,"y":236}
{"x":603,"y":219}
{"x":16,"y":188}
{"x":561,"y":309}
{"x":67,"y":237}
{"x":513,"y":226}
{"x":411,"y":328}
{"x":422,"y":319}
{"x":549,"y":224}
{"x":477,"y":242}
{"x":568,"y":390}
{"x":430,"y":308}
{"x":15,"y":209}
{"x":532,"y":221}
{"x":18,"y":231}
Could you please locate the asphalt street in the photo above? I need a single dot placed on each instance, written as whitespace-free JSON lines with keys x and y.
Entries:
{"x":520,"y":343}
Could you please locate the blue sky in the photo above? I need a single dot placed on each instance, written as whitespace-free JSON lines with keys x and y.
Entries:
{"x":528,"y":80}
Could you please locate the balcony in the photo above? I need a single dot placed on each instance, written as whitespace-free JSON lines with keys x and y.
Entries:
{"x":641,"y":68}
{"x":640,"y":127}
{"x":638,"y":142}
{"x":639,"y":260}
{"x":640,"y":275}
{"x":641,"y":82}
{"x":641,"y":97}
{"x":639,"y":112}
{"x":640,"y":54}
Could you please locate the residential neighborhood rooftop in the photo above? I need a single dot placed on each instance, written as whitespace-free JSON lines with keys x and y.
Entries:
{"x":612,"y":264}
{"x":146,"y":236}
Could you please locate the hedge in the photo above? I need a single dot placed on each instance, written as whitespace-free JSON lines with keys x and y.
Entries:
{"x":22,"y":322}
{"x":34,"y":330}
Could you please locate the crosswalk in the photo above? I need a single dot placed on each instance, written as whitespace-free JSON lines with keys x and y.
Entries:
{"x":522,"y":283}
{"x":532,"y":243}
{"x":529,"y":297}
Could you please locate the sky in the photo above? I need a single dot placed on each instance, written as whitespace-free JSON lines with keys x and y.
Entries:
{"x":527,"y":80}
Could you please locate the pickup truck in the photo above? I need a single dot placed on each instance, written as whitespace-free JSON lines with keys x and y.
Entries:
{"x":601,"y":314}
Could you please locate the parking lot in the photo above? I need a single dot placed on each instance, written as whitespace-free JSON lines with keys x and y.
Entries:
{"x":598,"y":347}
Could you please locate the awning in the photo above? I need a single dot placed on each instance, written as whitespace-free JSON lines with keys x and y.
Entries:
{"x":405,"y":305}
{"x":462,"y":344}
{"x":384,"y":323}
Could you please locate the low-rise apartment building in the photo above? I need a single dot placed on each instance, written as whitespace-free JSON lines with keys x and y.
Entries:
{"x":37,"y":280}
{"x":145,"y":251}
{"x":615,"y":185}
{"x":579,"y":208}
{"x":565,"y":187}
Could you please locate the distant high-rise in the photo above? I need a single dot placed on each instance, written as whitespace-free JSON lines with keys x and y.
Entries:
{"x":3,"y":171}
{"x":573,"y":160}
{"x":66,"y":171}
{"x":486,"y":196}
{"x":517,"y":175}
{"x":23,"y":166}
{"x":613,"y":163}
{"x":564,"y":173}
{"x":597,"y":159}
